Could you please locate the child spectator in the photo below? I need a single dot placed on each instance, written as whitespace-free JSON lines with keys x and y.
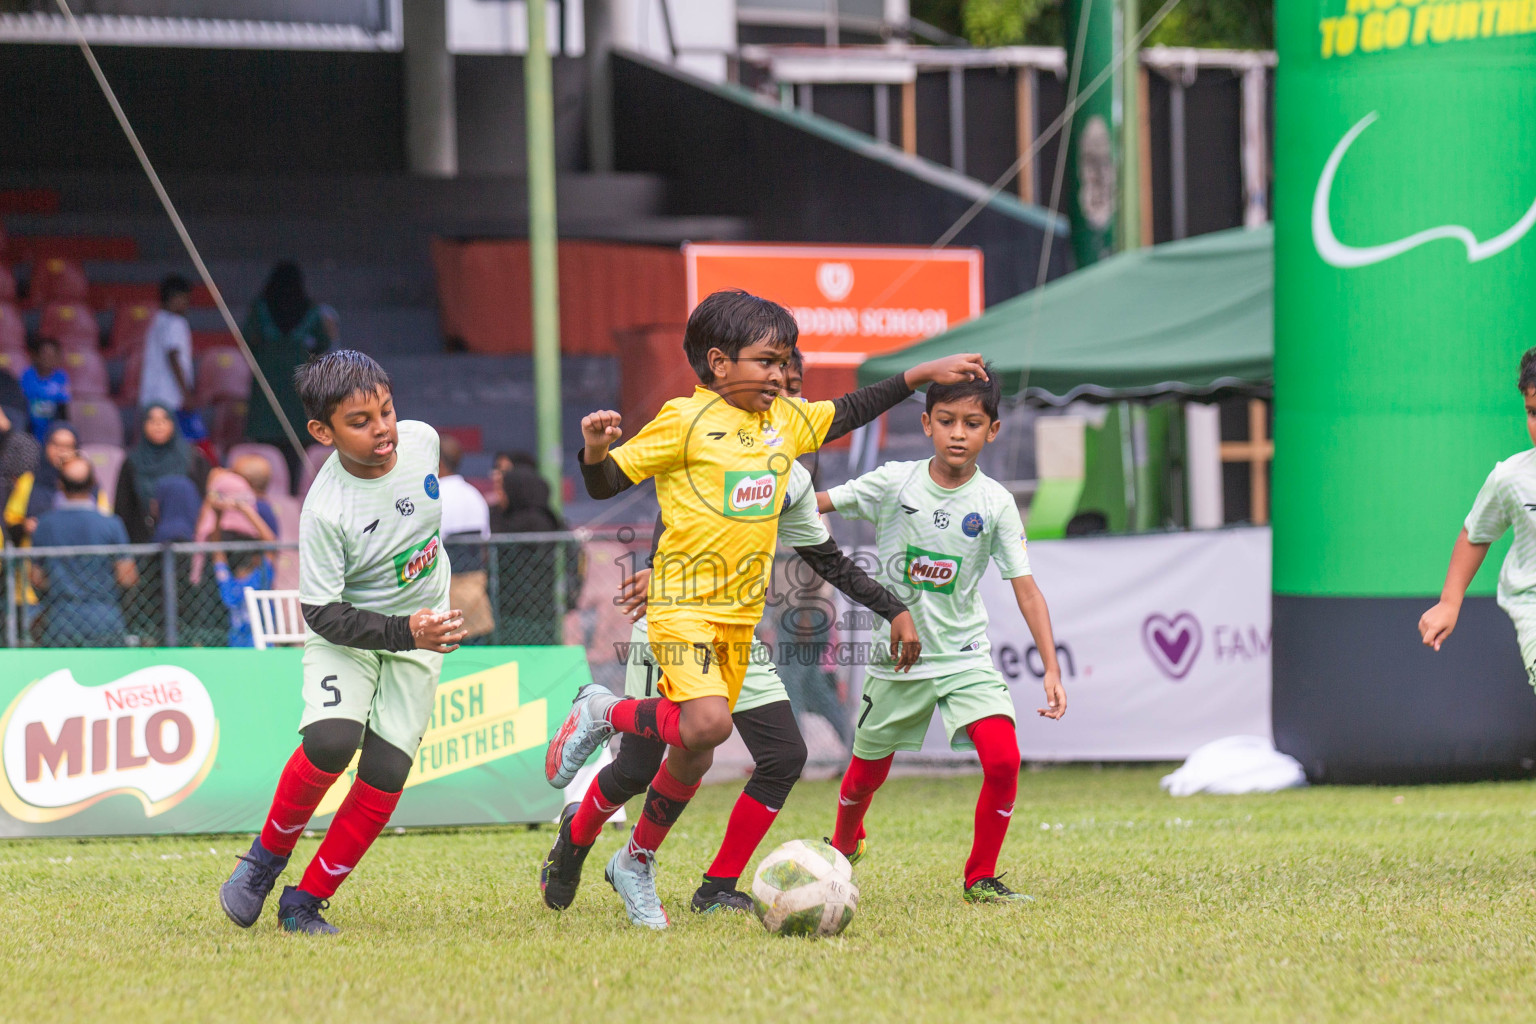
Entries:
{"x":258,"y":473}
{"x":167,"y":374}
{"x":230,"y":507}
{"x":46,"y":386}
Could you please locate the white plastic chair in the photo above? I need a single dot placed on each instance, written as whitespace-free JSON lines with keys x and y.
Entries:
{"x":276,"y":617}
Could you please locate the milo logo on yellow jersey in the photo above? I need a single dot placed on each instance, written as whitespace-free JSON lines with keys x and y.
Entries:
{"x":750,"y":493}
{"x":931,"y":570}
{"x":414,"y":563}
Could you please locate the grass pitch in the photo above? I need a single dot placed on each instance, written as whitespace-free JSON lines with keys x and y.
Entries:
{"x":1411,"y":904}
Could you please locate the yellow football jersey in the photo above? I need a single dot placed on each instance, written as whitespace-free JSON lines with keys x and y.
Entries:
{"x":720,"y":476}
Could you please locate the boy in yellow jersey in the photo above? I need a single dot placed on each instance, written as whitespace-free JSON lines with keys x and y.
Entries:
{"x":721,"y":458}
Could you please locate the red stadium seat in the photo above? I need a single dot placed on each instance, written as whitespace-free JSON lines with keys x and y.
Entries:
{"x":129,"y":325}
{"x":287,"y":509}
{"x":57,"y":280}
{"x":96,"y":421}
{"x":108,"y":462}
{"x":221,"y":374}
{"x":73,"y":325}
{"x":13,"y":331}
{"x":7,"y":279}
{"x":14,"y":363}
{"x":87,"y":375}
{"x":133,"y":372}
{"x":281,"y":484}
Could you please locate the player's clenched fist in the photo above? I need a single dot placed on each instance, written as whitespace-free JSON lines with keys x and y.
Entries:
{"x":599,"y":430}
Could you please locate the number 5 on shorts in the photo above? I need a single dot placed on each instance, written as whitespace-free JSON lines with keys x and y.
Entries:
{"x":328,"y":684}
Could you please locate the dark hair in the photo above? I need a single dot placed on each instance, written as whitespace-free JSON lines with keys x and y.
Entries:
{"x":325,"y":383}
{"x":797,"y":360}
{"x":518,"y":458}
{"x":1528,"y":371}
{"x":286,"y":297}
{"x":988,"y":392}
{"x":173,"y":285}
{"x":730,"y":321}
{"x":38,"y":342}
{"x":73,"y":483}
{"x":450,"y":453}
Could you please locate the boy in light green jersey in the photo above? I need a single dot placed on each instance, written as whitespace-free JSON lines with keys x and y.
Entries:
{"x":938,"y":523}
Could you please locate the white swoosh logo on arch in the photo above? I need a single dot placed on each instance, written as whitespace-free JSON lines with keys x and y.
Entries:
{"x":1338,"y":254}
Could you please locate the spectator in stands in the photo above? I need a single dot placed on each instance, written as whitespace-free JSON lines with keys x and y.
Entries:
{"x":19,"y":450}
{"x":500,"y":464}
{"x":252,"y":570}
{"x":229,"y":509}
{"x":466,"y":522}
{"x":258,"y":473}
{"x":38,"y":491}
{"x":160,"y":452}
{"x":178,"y":505}
{"x":285,"y":329}
{"x":524,"y":506}
{"x":80,"y":601}
{"x":46,"y":386}
{"x":167,"y":375}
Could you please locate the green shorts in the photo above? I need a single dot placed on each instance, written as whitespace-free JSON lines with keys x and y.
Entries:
{"x":761,"y":686}
{"x":391,"y":692}
{"x":896,"y":712}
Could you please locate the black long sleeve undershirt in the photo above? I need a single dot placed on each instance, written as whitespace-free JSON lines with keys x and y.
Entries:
{"x":603,"y":480}
{"x":829,"y":562}
{"x":346,"y":626}
{"x":865,"y":405}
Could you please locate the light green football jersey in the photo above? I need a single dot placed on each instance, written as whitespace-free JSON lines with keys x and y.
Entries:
{"x":799,"y":524}
{"x":374,"y":543}
{"x":934,"y":545}
{"x":1508,"y":499}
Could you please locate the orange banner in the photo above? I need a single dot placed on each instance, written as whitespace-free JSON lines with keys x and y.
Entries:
{"x":851,"y":302}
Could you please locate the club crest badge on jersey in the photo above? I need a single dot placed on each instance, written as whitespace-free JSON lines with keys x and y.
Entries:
{"x":405,"y":506}
{"x":431,"y":485}
{"x":971,"y":525}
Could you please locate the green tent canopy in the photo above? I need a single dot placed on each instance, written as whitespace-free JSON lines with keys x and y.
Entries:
{"x":1189,"y":317}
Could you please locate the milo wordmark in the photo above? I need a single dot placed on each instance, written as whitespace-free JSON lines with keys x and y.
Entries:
{"x":932,"y":570}
{"x":750,"y":493}
{"x":417,"y":562}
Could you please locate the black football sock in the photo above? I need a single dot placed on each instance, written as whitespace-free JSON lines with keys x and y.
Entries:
{"x":714,"y":885}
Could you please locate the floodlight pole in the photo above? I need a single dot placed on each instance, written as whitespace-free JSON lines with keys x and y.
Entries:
{"x":542,"y":253}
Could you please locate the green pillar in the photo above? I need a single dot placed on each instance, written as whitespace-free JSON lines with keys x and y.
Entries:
{"x":1403,"y":283}
{"x":542,"y":243}
{"x":1092,"y":185}
{"x":1128,"y":81}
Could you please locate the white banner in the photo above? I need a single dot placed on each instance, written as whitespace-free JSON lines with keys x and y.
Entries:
{"x":1163,"y":642}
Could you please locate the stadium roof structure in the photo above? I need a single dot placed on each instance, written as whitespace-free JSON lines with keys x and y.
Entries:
{"x":1192,"y":317}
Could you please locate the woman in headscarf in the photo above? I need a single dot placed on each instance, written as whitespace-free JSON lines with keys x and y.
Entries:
{"x":285,"y":329}
{"x":160,"y":452}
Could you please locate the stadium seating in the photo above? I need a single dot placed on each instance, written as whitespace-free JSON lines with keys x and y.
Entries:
{"x":7,"y":279}
{"x":56,"y":279}
{"x":14,"y":363}
{"x":133,"y":372}
{"x":107,"y":459}
{"x":287,"y":509}
{"x":87,"y":375}
{"x":73,"y":325}
{"x":130,"y":322}
{"x":221,"y":375}
{"x":96,"y":421}
{"x":281,"y":484}
{"x":13,"y":332}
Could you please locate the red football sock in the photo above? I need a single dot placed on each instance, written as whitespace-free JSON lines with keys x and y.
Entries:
{"x":664,"y":802}
{"x":750,"y":821}
{"x":998,"y":746}
{"x":859,"y":784}
{"x":300,"y":789}
{"x":358,"y":822}
{"x":655,"y":718}
{"x":596,"y":808}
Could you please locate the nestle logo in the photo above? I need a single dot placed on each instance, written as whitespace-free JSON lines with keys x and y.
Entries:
{"x":148,"y":695}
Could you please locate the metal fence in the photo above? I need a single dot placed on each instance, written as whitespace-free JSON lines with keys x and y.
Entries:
{"x":514,"y":589}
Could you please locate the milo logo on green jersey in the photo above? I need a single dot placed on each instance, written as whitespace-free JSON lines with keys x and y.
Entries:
{"x":749,"y":493}
{"x":411,"y":565}
{"x":932,"y":570}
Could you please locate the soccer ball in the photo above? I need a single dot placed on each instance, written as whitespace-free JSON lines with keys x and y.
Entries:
{"x":805,"y":887}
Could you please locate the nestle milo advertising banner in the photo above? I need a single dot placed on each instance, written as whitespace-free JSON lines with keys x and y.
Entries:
{"x":132,"y":742}
{"x":1405,"y":266}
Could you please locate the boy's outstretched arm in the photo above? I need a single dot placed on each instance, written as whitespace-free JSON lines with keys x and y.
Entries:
{"x":824,"y":503}
{"x":865,"y":405}
{"x":1436,"y":624}
{"x":1038,"y":617}
{"x":600,"y":431}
